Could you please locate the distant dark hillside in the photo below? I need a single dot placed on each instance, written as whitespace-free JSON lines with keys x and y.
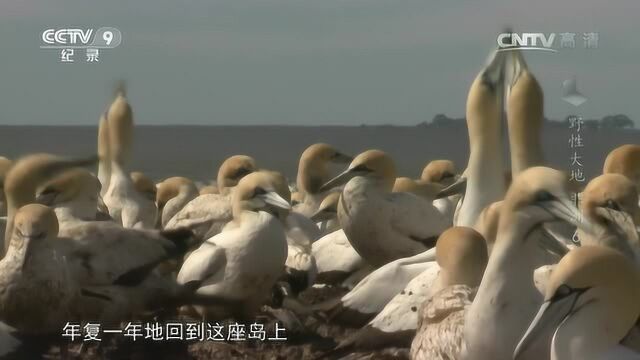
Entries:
{"x":197,"y":151}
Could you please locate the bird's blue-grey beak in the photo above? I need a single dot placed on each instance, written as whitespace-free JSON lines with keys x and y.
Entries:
{"x":272,"y":198}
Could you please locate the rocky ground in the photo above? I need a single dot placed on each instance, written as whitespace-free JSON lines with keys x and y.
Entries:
{"x":312,"y":338}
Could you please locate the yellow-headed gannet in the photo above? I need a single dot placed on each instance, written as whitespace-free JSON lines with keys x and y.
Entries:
{"x":5,"y":164}
{"x":462,"y":257}
{"x":313,"y":172}
{"x":173,"y":194}
{"x":73,"y":195}
{"x":482,"y":182}
{"x":610,"y":202}
{"x":104,"y":164}
{"x":207,"y":214}
{"x":127,"y":206}
{"x":442,"y":172}
{"x":624,"y":160}
{"x":591,"y":303}
{"x":242,"y":263}
{"x":507,"y":298}
{"x":380,"y":225}
{"x":525,"y":115}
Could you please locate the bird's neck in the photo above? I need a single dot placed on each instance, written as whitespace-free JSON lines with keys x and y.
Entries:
{"x":525,"y":151}
{"x":587,"y":334}
{"x":485,"y":179}
{"x":507,"y":298}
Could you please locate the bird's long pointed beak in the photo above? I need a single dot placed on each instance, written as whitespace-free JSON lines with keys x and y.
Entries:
{"x":553,"y":230}
{"x":458,"y":187}
{"x":341,"y":179}
{"x":272,"y":198}
{"x":549,"y":317}
{"x":552,"y":243}
{"x":565,"y":210}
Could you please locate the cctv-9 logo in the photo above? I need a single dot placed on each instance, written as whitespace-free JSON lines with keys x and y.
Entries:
{"x":104,"y":37}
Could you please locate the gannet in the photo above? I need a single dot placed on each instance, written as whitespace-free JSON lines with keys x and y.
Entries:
{"x":372,"y":293}
{"x":327,"y":214}
{"x":426,"y":190}
{"x":507,"y":298}
{"x":624,"y":160}
{"x":610,"y":203}
{"x":27,"y":277}
{"x":207,"y":214}
{"x":429,"y":191}
{"x":35,"y":294}
{"x":313,"y":172}
{"x":591,"y":303}
{"x":104,"y":164}
{"x":462,"y":257}
{"x":380,"y":225}
{"x":126,"y":204}
{"x":442,"y":172}
{"x":232,"y":170}
{"x":5,"y":164}
{"x":172,"y":195}
{"x":73,"y":195}
{"x":483,"y":175}
{"x":525,"y":115}
{"x":301,"y":233}
{"x":144,"y":185}
{"x":243,"y":262}
{"x":113,"y":266}
{"x":29,"y":173}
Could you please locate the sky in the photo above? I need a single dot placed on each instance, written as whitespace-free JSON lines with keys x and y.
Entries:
{"x":305,"y":62}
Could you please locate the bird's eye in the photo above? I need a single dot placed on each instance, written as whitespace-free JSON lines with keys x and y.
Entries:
{"x":610,"y":204}
{"x":543,"y":195}
{"x":565,"y":290}
{"x":447,"y":175}
{"x":259,"y":191}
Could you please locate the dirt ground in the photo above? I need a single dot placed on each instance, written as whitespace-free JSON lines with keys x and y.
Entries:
{"x":313,"y":340}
